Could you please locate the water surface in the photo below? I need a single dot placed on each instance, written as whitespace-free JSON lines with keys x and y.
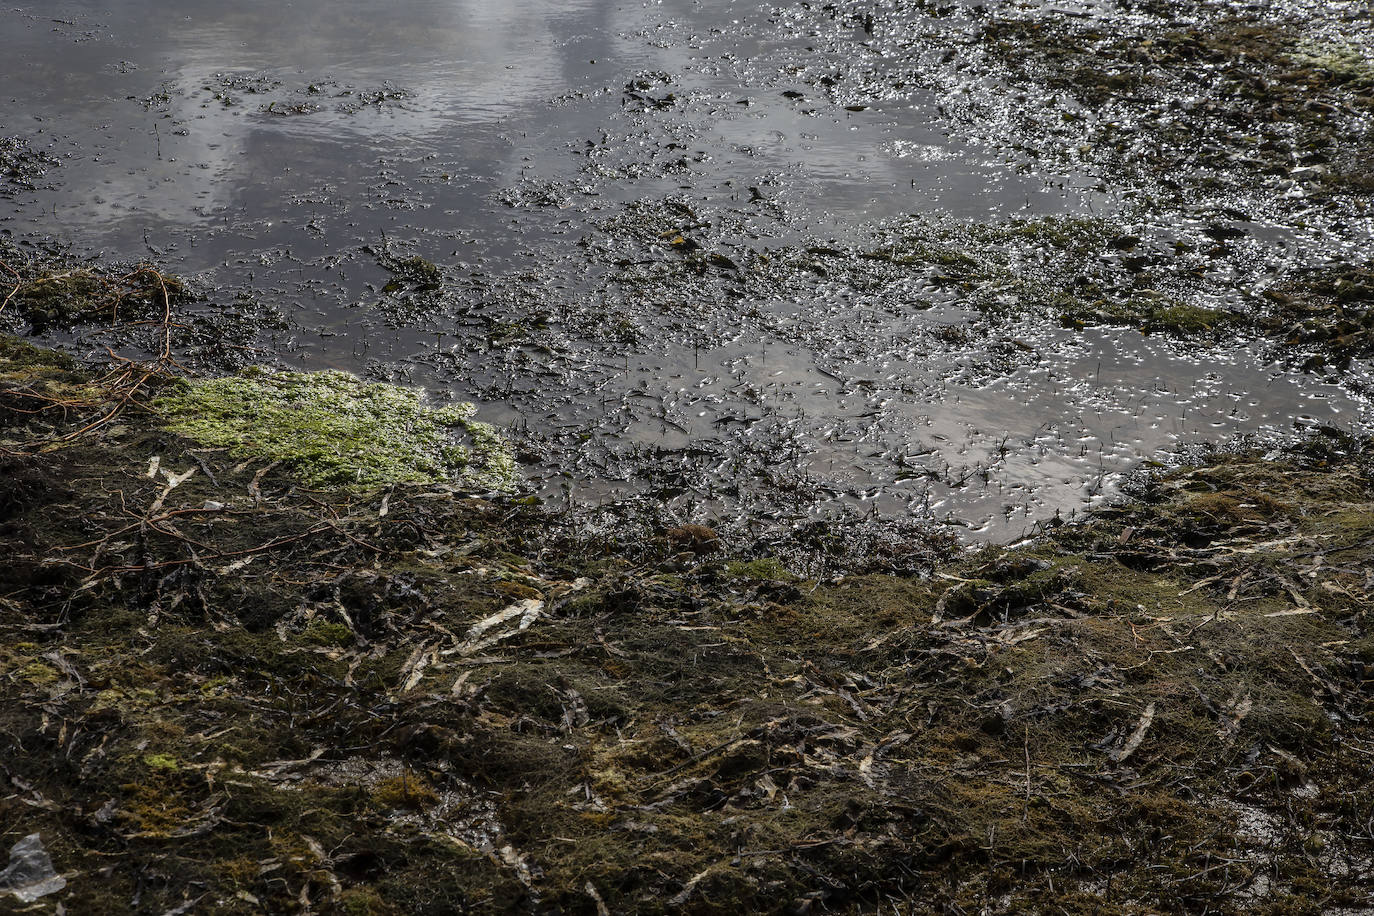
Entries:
{"x":558,"y":161}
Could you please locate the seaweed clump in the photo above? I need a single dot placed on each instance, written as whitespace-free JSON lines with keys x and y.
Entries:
{"x":333,"y":429}
{"x":53,"y":297}
{"x":1328,"y":313}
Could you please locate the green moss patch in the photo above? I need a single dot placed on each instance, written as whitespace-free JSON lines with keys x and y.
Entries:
{"x":1345,"y":62}
{"x":1149,"y":314}
{"x":335,"y":430}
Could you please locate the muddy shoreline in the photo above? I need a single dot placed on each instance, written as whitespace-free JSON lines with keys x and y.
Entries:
{"x":780,"y":262}
{"x":792,"y":520}
{"x":242,"y":693}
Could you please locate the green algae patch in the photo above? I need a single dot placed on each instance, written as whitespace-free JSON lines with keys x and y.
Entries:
{"x":1345,"y":62}
{"x":1149,"y":314}
{"x":335,"y":430}
{"x":19,"y":358}
{"x":763,"y":569}
{"x":328,"y":634}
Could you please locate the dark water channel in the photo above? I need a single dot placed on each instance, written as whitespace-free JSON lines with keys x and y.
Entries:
{"x":619,"y":198}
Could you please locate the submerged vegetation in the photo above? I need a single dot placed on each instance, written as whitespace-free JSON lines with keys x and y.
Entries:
{"x":128,"y":307}
{"x":1200,"y":101}
{"x":53,"y":293}
{"x":236,"y":695}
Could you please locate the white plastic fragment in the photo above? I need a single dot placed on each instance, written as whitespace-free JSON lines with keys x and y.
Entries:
{"x":30,"y":874}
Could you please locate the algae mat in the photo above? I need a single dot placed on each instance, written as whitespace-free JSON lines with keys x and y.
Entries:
{"x":332,"y":429}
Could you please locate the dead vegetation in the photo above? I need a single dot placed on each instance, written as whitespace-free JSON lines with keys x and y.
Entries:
{"x":50,"y":294}
{"x":143,"y":321}
{"x":1285,"y":103}
{"x":1328,"y":313}
{"x":224,"y":692}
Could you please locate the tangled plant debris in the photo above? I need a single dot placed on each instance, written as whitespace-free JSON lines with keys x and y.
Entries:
{"x":238,"y":695}
{"x":264,"y":651}
{"x":132,"y":308}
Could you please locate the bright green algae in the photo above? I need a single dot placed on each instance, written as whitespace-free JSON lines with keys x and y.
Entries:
{"x":334,"y":430}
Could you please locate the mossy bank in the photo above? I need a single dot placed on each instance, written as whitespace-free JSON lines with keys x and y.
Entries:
{"x":244,"y":693}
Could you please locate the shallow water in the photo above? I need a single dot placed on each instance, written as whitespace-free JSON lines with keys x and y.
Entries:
{"x":546,"y":155}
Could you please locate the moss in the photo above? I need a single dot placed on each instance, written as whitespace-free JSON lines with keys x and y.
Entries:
{"x":17,"y":355}
{"x":337,"y":431}
{"x":764,"y":568}
{"x":58,"y":299}
{"x":1346,"y":63}
{"x":517,"y":591}
{"x":1148,"y":313}
{"x":1185,"y":320}
{"x":363,"y":901}
{"x":239,"y":872}
{"x":1226,"y":508}
{"x":155,"y":807}
{"x":37,"y":380}
{"x":407,"y":791}
{"x":327,"y":633}
{"x":39,"y":674}
{"x":161,"y":762}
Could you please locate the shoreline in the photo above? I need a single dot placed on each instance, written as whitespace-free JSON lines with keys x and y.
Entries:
{"x":240,"y":693}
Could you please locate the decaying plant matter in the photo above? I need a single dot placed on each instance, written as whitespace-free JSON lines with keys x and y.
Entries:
{"x":227,"y":691}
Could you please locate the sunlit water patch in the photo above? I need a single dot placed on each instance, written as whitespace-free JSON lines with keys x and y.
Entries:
{"x":737,"y":260}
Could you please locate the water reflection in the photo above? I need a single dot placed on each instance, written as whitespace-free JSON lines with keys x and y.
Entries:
{"x":279,"y":145}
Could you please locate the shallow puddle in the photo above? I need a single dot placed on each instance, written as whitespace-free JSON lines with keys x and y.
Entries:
{"x":619,"y":198}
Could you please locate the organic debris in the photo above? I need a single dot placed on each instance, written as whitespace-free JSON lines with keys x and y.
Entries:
{"x":1329,"y":313}
{"x":140,"y":315}
{"x":236,"y":695}
{"x":49,"y":294}
{"x":266,"y":651}
{"x":21,"y":166}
